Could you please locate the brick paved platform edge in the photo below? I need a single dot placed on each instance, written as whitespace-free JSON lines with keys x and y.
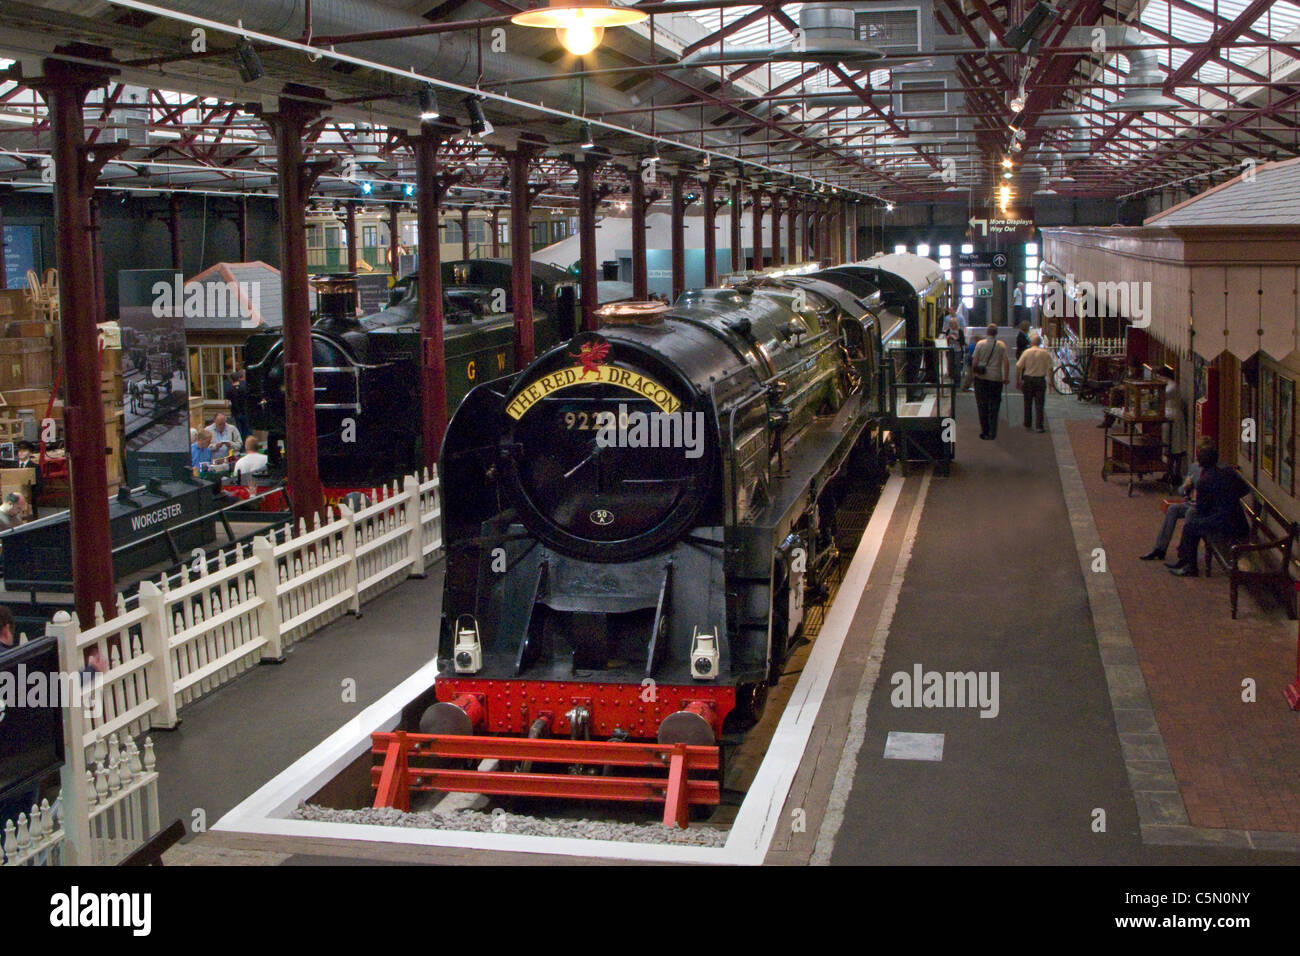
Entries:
{"x":1161,"y":811}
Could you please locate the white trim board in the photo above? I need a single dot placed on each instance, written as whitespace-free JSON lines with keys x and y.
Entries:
{"x":266,"y":811}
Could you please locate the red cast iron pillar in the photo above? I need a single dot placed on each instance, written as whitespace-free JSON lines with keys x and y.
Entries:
{"x":521,"y":254}
{"x":433,"y":368}
{"x":776,"y":229}
{"x":76,"y":168}
{"x":758,"y":230}
{"x":496,"y":232}
{"x":464,"y":232}
{"x":587,"y":244}
{"x":710,"y":234}
{"x":640,"y":279}
{"x":737,"y":250}
{"x":394,"y":240}
{"x":677,"y":240}
{"x":297,"y":177}
{"x":791,"y":224}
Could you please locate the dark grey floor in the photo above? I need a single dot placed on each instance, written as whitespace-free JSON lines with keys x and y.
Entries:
{"x":240,"y":736}
{"x":994,"y":585}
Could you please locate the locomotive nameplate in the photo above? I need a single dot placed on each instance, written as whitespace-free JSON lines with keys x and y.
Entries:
{"x":643,"y":385}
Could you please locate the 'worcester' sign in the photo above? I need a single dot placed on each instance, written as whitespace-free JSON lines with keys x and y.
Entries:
{"x":553,"y":382}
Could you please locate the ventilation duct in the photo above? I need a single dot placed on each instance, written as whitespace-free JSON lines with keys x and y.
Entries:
{"x":827,"y":34}
{"x":1143,"y":85}
{"x":1077,"y":142}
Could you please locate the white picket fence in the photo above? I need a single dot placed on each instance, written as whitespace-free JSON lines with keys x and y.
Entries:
{"x":182,"y":638}
{"x":121,"y":801}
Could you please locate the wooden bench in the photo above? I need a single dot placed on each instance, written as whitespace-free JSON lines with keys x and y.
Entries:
{"x":1263,"y":554}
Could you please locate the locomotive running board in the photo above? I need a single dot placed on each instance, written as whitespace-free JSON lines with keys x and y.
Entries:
{"x":400,"y":775}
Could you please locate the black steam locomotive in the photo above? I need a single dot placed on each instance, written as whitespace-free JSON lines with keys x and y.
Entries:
{"x":366,"y":372}
{"x":634,"y":520}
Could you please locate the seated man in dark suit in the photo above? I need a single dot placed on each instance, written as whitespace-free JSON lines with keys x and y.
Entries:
{"x":1218,"y":509}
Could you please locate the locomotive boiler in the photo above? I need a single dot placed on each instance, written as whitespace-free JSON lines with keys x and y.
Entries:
{"x":634,"y":521}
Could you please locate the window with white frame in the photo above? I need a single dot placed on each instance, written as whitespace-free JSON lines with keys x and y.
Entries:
{"x":968,"y":280}
{"x":1033,"y":288}
{"x":945,"y":261}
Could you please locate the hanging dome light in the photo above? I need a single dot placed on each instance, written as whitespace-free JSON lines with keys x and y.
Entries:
{"x":579,"y":25}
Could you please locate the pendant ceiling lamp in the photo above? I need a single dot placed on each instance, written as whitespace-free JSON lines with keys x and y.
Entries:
{"x":579,"y":25}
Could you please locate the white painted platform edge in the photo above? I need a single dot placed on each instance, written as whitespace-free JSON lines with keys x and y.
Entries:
{"x":265,"y":811}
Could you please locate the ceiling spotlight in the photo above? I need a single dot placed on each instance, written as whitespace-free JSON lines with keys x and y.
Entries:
{"x":1018,"y":103}
{"x":587,"y":141}
{"x":579,"y":24}
{"x":1006,"y":162}
{"x":478,"y":121}
{"x":1015,"y":146}
{"x":1004,"y":196}
{"x":1029,"y":27}
{"x":250,"y":64}
{"x":429,"y":103}
{"x":889,"y":207}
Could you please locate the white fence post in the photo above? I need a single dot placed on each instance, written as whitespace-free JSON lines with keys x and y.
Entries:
{"x":76,"y":802}
{"x":153,"y":638}
{"x":414,"y":524}
{"x":267,"y":578}
{"x":351,"y":581}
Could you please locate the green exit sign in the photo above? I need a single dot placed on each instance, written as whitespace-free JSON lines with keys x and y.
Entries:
{"x":984,"y":291}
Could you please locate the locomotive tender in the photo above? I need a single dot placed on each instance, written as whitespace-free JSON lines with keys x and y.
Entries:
{"x":601,"y":585}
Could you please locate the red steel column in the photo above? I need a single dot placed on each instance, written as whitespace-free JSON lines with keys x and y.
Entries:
{"x":174,"y":227}
{"x":350,"y":225}
{"x":758,"y":230}
{"x":496,"y":232}
{"x":640,"y":280}
{"x":587,"y":244}
{"x":295,"y":181}
{"x":737,"y":253}
{"x":521,"y":256}
{"x":791,"y":224}
{"x":433,"y":368}
{"x":64,"y":87}
{"x":776,"y":229}
{"x":678,"y":235}
{"x":464,"y":232}
{"x":710,"y":235}
{"x":97,"y":260}
{"x":394,"y":237}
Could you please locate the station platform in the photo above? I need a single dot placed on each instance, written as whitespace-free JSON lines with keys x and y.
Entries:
{"x":1116,"y":731}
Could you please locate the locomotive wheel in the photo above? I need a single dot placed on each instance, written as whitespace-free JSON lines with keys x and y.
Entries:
{"x":751,"y":701}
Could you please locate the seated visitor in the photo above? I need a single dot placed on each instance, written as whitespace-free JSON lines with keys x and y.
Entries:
{"x":252,"y":463}
{"x":225,"y":437}
{"x":1218,"y":509}
{"x":13,"y":512}
{"x":201,"y":451}
{"x":1179,"y":509}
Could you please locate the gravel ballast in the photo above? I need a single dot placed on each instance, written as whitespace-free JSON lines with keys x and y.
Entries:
{"x":500,"y":821}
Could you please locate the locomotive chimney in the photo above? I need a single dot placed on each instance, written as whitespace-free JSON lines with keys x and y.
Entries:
{"x":336,"y":303}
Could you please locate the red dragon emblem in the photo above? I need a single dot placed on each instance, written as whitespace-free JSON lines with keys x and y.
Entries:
{"x":591,"y":355}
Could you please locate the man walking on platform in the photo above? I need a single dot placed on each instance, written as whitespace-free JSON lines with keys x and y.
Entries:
{"x":991,"y":371}
{"x":1032,"y":369}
